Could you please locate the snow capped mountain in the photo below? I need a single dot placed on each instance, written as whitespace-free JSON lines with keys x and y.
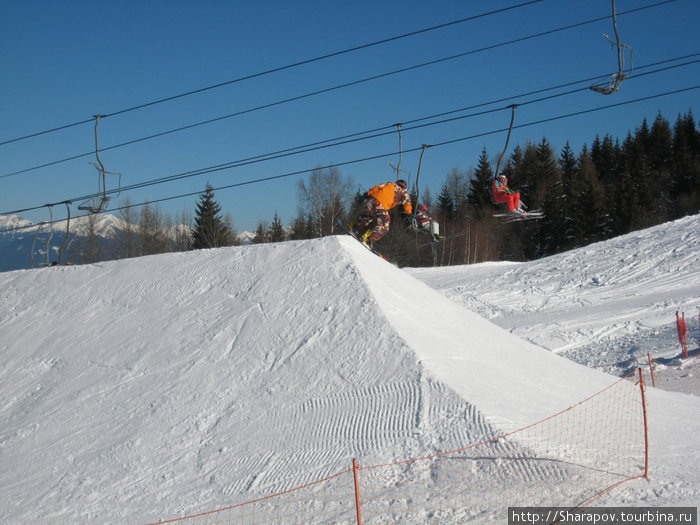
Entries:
{"x":168,"y":385}
{"x":25,"y":245}
{"x":13,"y":221}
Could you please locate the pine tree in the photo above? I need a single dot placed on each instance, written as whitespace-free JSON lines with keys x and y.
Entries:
{"x":591,"y":222}
{"x":567,"y":166}
{"x":550,"y":237}
{"x":478,"y":197}
{"x":606,"y":156}
{"x":657,"y":187}
{"x":684,"y":186}
{"x":302,"y":227}
{"x":277,"y":233}
{"x":210,"y":230}
{"x":446,"y":204}
{"x":632,"y":188}
{"x":261,"y":234}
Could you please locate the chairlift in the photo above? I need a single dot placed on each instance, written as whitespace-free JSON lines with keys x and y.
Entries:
{"x":65,"y":238}
{"x":47,"y":242}
{"x":99,"y":203}
{"x":433,"y":227}
{"x":512,"y":107}
{"x":397,"y":168}
{"x":616,"y":79}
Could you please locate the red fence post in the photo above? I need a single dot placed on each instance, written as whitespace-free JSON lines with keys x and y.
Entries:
{"x":646,"y":428}
{"x":355,"y":468}
{"x":651,"y":369}
{"x":682,"y":333}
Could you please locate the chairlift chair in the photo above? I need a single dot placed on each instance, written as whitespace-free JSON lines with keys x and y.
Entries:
{"x":95,"y":205}
{"x":617,"y":78}
{"x":99,"y":204}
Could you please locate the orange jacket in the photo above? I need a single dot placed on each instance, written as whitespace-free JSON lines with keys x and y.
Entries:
{"x":390,"y":195}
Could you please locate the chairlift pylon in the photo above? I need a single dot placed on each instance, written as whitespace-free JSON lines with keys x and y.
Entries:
{"x":99,"y":203}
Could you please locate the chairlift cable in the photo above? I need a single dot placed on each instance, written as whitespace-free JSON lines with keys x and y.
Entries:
{"x":271,"y":156}
{"x":285,"y":67}
{"x":190,"y":126}
{"x":375,"y":157}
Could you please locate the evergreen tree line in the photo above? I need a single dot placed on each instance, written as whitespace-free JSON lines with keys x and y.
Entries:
{"x":606,"y":190}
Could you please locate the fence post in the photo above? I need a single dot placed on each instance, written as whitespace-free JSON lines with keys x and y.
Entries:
{"x":355,"y":468}
{"x":646,"y":428}
{"x":682,"y":333}
{"x":651,"y":369}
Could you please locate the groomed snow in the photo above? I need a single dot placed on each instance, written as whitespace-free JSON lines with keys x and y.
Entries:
{"x":157,"y":387}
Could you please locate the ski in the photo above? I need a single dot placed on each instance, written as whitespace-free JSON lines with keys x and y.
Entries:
{"x":352,"y":234}
{"x":521,"y":215}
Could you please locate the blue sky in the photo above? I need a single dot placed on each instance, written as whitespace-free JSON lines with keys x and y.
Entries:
{"x":63,"y":62}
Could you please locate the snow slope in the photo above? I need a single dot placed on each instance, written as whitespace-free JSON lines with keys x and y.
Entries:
{"x":151,"y":388}
{"x":606,"y":305}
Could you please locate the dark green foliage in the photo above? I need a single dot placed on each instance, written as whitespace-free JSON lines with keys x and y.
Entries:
{"x":277,"y":233}
{"x":302,"y":228}
{"x":210,"y":230}
{"x":446,"y":205}
{"x":479,"y":196}
{"x":684,"y":184}
{"x":608,"y":189}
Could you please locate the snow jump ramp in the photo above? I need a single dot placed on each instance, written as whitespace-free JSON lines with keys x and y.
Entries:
{"x":180,"y":380}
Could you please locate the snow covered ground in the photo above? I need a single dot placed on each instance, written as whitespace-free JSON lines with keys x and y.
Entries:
{"x":147,"y":389}
{"x":607,"y":305}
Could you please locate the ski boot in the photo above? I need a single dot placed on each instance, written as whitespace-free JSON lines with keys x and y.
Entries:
{"x":364,"y":238}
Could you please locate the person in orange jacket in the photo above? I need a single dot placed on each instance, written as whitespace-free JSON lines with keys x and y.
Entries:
{"x":373,"y":223}
{"x":502,"y":194}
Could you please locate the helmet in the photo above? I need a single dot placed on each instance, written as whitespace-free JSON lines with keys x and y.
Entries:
{"x":401,"y":183}
{"x":501,"y":176}
{"x":423,"y":207}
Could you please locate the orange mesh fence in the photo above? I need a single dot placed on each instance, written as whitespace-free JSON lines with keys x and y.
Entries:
{"x":567,"y":460}
{"x":329,"y":500}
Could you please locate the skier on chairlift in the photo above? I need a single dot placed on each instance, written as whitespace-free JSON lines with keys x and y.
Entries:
{"x":502,"y":194}
{"x":426,"y":224}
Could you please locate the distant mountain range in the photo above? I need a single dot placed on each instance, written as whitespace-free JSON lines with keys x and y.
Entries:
{"x":25,"y":245}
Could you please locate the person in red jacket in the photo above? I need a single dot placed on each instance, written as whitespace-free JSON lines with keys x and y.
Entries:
{"x":426,"y":224}
{"x":502,"y":194}
{"x":373,"y":223}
